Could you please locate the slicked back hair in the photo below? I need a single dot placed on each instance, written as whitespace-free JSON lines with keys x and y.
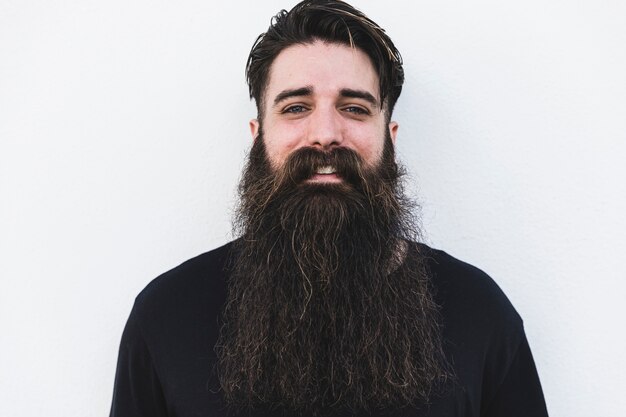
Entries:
{"x":330,"y":21}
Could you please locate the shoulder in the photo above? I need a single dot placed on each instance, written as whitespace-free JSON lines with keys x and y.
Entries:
{"x":196,"y":282}
{"x":188,"y":273}
{"x":469,"y":296}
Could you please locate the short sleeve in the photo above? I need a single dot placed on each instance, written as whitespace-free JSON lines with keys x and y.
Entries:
{"x":519,"y":394}
{"x":137,"y":391}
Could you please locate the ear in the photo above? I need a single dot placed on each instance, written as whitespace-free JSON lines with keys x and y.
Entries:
{"x":393,"y":131}
{"x":254,"y":128}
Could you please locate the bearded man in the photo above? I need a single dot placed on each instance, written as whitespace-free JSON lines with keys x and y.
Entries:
{"x":325,"y":305}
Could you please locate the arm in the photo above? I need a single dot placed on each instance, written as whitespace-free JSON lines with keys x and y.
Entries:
{"x":519,"y":394}
{"x":137,"y":390}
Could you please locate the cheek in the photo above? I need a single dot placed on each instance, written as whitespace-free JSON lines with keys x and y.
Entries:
{"x":367,"y":140}
{"x":369,"y":146}
{"x":278,"y":146}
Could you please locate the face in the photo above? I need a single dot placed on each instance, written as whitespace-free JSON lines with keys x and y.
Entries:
{"x":323,"y":96}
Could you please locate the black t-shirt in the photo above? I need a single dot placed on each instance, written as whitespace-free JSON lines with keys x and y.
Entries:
{"x":166,"y":364}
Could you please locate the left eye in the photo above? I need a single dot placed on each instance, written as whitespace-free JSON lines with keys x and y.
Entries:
{"x":356,"y":110}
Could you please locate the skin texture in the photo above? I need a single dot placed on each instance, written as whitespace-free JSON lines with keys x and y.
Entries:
{"x":312,"y":99}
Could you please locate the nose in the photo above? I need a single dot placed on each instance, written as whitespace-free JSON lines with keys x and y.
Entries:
{"x":324,"y":130}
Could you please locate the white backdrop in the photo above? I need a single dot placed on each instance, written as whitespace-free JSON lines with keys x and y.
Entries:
{"x":123,"y":127}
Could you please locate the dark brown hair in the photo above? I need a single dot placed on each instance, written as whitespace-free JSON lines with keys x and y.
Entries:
{"x":329,"y":308}
{"x":331,"y":21}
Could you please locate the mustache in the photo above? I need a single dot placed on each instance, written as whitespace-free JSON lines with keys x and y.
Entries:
{"x":303,"y":163}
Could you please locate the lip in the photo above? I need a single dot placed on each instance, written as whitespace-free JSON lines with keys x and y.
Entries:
{"x":328,"y":178}
{"x":325,"y":174}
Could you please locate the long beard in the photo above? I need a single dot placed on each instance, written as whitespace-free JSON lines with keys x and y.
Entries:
{"x":328,"y":306}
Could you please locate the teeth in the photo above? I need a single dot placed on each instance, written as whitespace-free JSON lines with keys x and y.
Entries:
{"x":326,"y":170}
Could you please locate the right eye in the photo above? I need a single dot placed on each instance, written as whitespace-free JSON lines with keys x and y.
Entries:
{"x":297,"y":108}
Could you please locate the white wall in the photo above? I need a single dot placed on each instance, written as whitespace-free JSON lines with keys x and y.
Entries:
{"x":123,"y":127}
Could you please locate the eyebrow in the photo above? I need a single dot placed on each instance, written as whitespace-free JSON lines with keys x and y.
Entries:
{"x":308,"y":91}
{"x":298,"y":92}
{"x":350,"y":93}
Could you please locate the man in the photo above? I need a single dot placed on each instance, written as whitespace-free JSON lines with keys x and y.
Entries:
{"x":325,"y":305}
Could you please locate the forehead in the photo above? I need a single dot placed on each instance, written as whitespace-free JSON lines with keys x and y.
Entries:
{"x":325,"y":67}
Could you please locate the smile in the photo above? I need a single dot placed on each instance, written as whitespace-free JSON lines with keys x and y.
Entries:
{"x":325,"y":170}
{"x":326,"y":173}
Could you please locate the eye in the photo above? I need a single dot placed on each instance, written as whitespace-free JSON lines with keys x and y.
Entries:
{"x":356,"y":110}
{"x":297,"y":108}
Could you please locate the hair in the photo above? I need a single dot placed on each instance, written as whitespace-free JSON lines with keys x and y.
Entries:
{"x":330,"y":21}
{"x":330,"y":309}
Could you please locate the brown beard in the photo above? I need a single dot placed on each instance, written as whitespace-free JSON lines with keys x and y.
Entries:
{"x":329,"y":306}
